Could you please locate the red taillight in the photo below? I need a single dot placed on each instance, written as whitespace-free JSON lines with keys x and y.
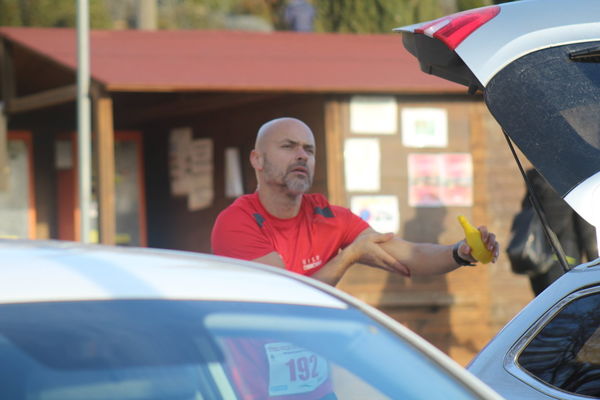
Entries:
{"x":453,"y":29}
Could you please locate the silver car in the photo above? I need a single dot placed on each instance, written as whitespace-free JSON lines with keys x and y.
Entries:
{"x":537,"y":63}
{"x":98,"y":322}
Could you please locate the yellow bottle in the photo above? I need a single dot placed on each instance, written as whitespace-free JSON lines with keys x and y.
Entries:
{"x":473,"y":237}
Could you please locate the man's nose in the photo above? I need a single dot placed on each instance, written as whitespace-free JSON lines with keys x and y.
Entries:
{"x":302,"y":154}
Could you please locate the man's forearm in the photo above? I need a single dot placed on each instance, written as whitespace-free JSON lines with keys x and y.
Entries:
{"x":334,"y":270}
{"x":330,"y":273}
{"x":422,"y":259}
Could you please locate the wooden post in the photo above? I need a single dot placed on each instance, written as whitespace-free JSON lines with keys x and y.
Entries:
{"x":4,"y":166}
{"x":335,"y":152}
{"x":105,"y":139}
{"x":8,"y":93}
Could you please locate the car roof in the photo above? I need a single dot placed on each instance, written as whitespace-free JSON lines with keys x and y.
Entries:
{"x":33,"y":271}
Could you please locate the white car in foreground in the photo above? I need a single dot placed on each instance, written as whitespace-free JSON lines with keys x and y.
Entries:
{"x":96,"y":322}
{"x":537,"y":63}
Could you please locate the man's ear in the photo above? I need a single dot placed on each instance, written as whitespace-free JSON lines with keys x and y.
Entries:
{"x":256,"y":160}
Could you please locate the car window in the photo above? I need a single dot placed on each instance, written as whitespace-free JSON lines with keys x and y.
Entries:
{"x":566,"y":352}
{"x":159,"y":350}
{"x":548,"y":100}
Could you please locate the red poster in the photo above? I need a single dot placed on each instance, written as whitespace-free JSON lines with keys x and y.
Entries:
{"x":457,"y":182}
{"x":424,"y":180}
{"x":440,"y":180}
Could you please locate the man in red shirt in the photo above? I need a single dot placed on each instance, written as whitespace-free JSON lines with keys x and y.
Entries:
{"x":283,"y":226}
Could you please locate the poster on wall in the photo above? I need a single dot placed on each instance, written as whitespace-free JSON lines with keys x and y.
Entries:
{"x":180,"y":140}
{"x":63,"y":154}
{"x":201,"y":170}
{"x":457,"y":183}
{"x":191,"y":168}
{"x":233,"y":173}
{"x":361,"y":165}
{"x":424,"y":127}
{"x":424,"y":180}
{"x":377,"y":115}
{"x":381,"y":212}
{"x":440,"y":180}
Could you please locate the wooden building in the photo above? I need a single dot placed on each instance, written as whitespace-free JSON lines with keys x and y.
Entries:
{"x":175,"y":114}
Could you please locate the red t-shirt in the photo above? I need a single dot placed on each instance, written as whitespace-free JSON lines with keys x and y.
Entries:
{"x":305,"y":242}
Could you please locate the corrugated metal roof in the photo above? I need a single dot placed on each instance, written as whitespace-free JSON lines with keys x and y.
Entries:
{"x":200,"y":60}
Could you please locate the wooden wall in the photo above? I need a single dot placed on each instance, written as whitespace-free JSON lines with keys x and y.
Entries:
{"x":458,"y":312}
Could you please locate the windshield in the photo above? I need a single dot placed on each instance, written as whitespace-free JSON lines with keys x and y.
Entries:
{"x":548,"y":102}
{"x":142,"y":349}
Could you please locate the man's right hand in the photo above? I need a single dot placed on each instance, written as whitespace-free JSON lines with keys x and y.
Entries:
{"x":366,"y":249}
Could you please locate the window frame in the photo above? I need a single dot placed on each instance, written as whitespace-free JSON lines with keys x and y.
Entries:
{"x":511,"y":363}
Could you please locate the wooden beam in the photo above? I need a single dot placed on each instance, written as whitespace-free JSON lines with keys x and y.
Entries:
{"x":335,"y":152}
{"x":8,"y":73}
{"x":190,"y":105}
{"x":105,"y":148}
{"x":8,"y":91}
{"x":43,"y":99}
{"x":4,"y":166}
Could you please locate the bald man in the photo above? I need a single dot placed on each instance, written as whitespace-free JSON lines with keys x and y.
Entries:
{"x":283,"y":226}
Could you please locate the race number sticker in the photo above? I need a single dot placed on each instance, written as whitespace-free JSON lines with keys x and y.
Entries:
{"x":293,"y":370}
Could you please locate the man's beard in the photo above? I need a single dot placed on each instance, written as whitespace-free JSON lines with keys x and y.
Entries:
{"x":297,"y":185}
{"x":294,"y":184}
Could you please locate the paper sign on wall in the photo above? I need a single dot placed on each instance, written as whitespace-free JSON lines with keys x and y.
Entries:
{"x":380,"y":212}
{"x":201,"y":185}
{"x":424,"y":127}
{"x":457,"y":183}
{"x":63,"y":154}
{"x":439,"y":180}
{"x":374,"y":115}
{"x":424,"y":174}
{"x":191,"y":168}
{"x":361,"y":165}
{"x":180,"y":140}
{"x":233,"y":173}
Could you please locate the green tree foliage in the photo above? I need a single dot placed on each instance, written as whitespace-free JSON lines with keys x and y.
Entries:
{"x":468,"y":4}
{"x":381,"y":16}
{"x":50,"y":13}
{"x":361,"y":16}
{"x":352,"y":16}
{"x":214,"y":14}
{"x":356,"y":16}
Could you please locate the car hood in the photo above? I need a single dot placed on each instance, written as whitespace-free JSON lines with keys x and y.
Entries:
{"x":538,"y":65}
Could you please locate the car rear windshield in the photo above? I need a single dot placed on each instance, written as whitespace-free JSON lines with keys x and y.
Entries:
{"x":549,"y":104}
{"x":152,"y":349}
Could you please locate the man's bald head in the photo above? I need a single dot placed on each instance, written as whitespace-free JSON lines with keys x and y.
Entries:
{"x":276,"y":128}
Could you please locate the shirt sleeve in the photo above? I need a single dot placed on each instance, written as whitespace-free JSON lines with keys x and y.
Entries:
{"x":353,"y":223}
{"x":236,"y":234}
